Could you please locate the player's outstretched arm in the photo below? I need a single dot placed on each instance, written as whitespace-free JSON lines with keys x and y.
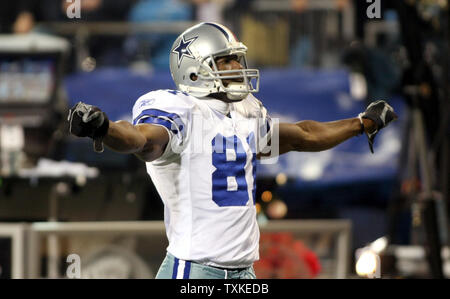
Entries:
{"x":313,"y":136}
{"x":144,"y":140}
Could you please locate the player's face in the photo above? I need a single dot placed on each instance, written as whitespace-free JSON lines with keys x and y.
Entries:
{"x":228,"y":63}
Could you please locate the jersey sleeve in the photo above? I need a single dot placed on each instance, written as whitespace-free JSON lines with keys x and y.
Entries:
{"x":265,"y":126}
{"x":166,"y":108}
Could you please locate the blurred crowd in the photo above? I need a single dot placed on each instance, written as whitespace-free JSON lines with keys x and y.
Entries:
{"x":23,"y":16}
{"x":289,"y":33}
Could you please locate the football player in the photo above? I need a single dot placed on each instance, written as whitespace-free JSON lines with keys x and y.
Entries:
{"x":200,"y":144}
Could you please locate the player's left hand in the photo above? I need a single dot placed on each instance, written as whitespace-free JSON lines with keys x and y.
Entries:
{"x":381,"y":113}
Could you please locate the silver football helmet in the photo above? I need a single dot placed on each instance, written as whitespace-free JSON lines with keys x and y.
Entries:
{"x":193,"y":66}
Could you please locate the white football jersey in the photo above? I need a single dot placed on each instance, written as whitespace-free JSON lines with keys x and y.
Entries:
{"x":206,"y":175}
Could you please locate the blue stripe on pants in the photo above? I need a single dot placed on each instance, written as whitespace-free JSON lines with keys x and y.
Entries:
{"x":172,"y":267}
{"x":187,"y":270}
{"x":175,"y":269}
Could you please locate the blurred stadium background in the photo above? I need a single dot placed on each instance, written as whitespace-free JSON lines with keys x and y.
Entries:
{"x":343,"y":213}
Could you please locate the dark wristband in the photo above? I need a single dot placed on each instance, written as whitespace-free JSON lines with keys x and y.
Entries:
{"x":362,"y":124}
{"x":103,"y":129}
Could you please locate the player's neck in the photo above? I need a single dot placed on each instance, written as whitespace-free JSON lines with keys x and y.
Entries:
{"x":218,"y":105}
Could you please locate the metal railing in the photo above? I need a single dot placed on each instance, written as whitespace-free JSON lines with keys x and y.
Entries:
{"x":28,"y":238}
{"x":18,"y":233}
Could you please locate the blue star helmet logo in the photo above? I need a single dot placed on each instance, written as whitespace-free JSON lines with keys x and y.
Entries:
{"x":182,"y":49}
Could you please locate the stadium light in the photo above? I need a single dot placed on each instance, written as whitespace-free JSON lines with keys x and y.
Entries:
{"x":379,"y":245}
{"x":281,"y":179}
{"x":368,"y":263}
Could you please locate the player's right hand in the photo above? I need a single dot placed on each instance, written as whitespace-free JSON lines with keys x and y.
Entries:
{"x":87,"y":121}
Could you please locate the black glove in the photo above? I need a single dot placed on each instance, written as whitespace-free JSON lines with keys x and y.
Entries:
{"x":88,"y":121}
{"x":381,"y":113}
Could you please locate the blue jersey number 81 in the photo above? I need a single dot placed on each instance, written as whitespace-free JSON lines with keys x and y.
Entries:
{"x":229,"y":184}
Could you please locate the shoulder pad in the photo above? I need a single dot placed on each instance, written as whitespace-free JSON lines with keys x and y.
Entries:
{"x":169,"y":101}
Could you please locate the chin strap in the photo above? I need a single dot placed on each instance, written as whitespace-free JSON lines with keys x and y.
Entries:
{"x":236,"y":97}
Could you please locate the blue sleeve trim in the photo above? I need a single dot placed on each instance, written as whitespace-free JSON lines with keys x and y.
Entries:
{"x":154,"y":116}
{"x":158,"y":121}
